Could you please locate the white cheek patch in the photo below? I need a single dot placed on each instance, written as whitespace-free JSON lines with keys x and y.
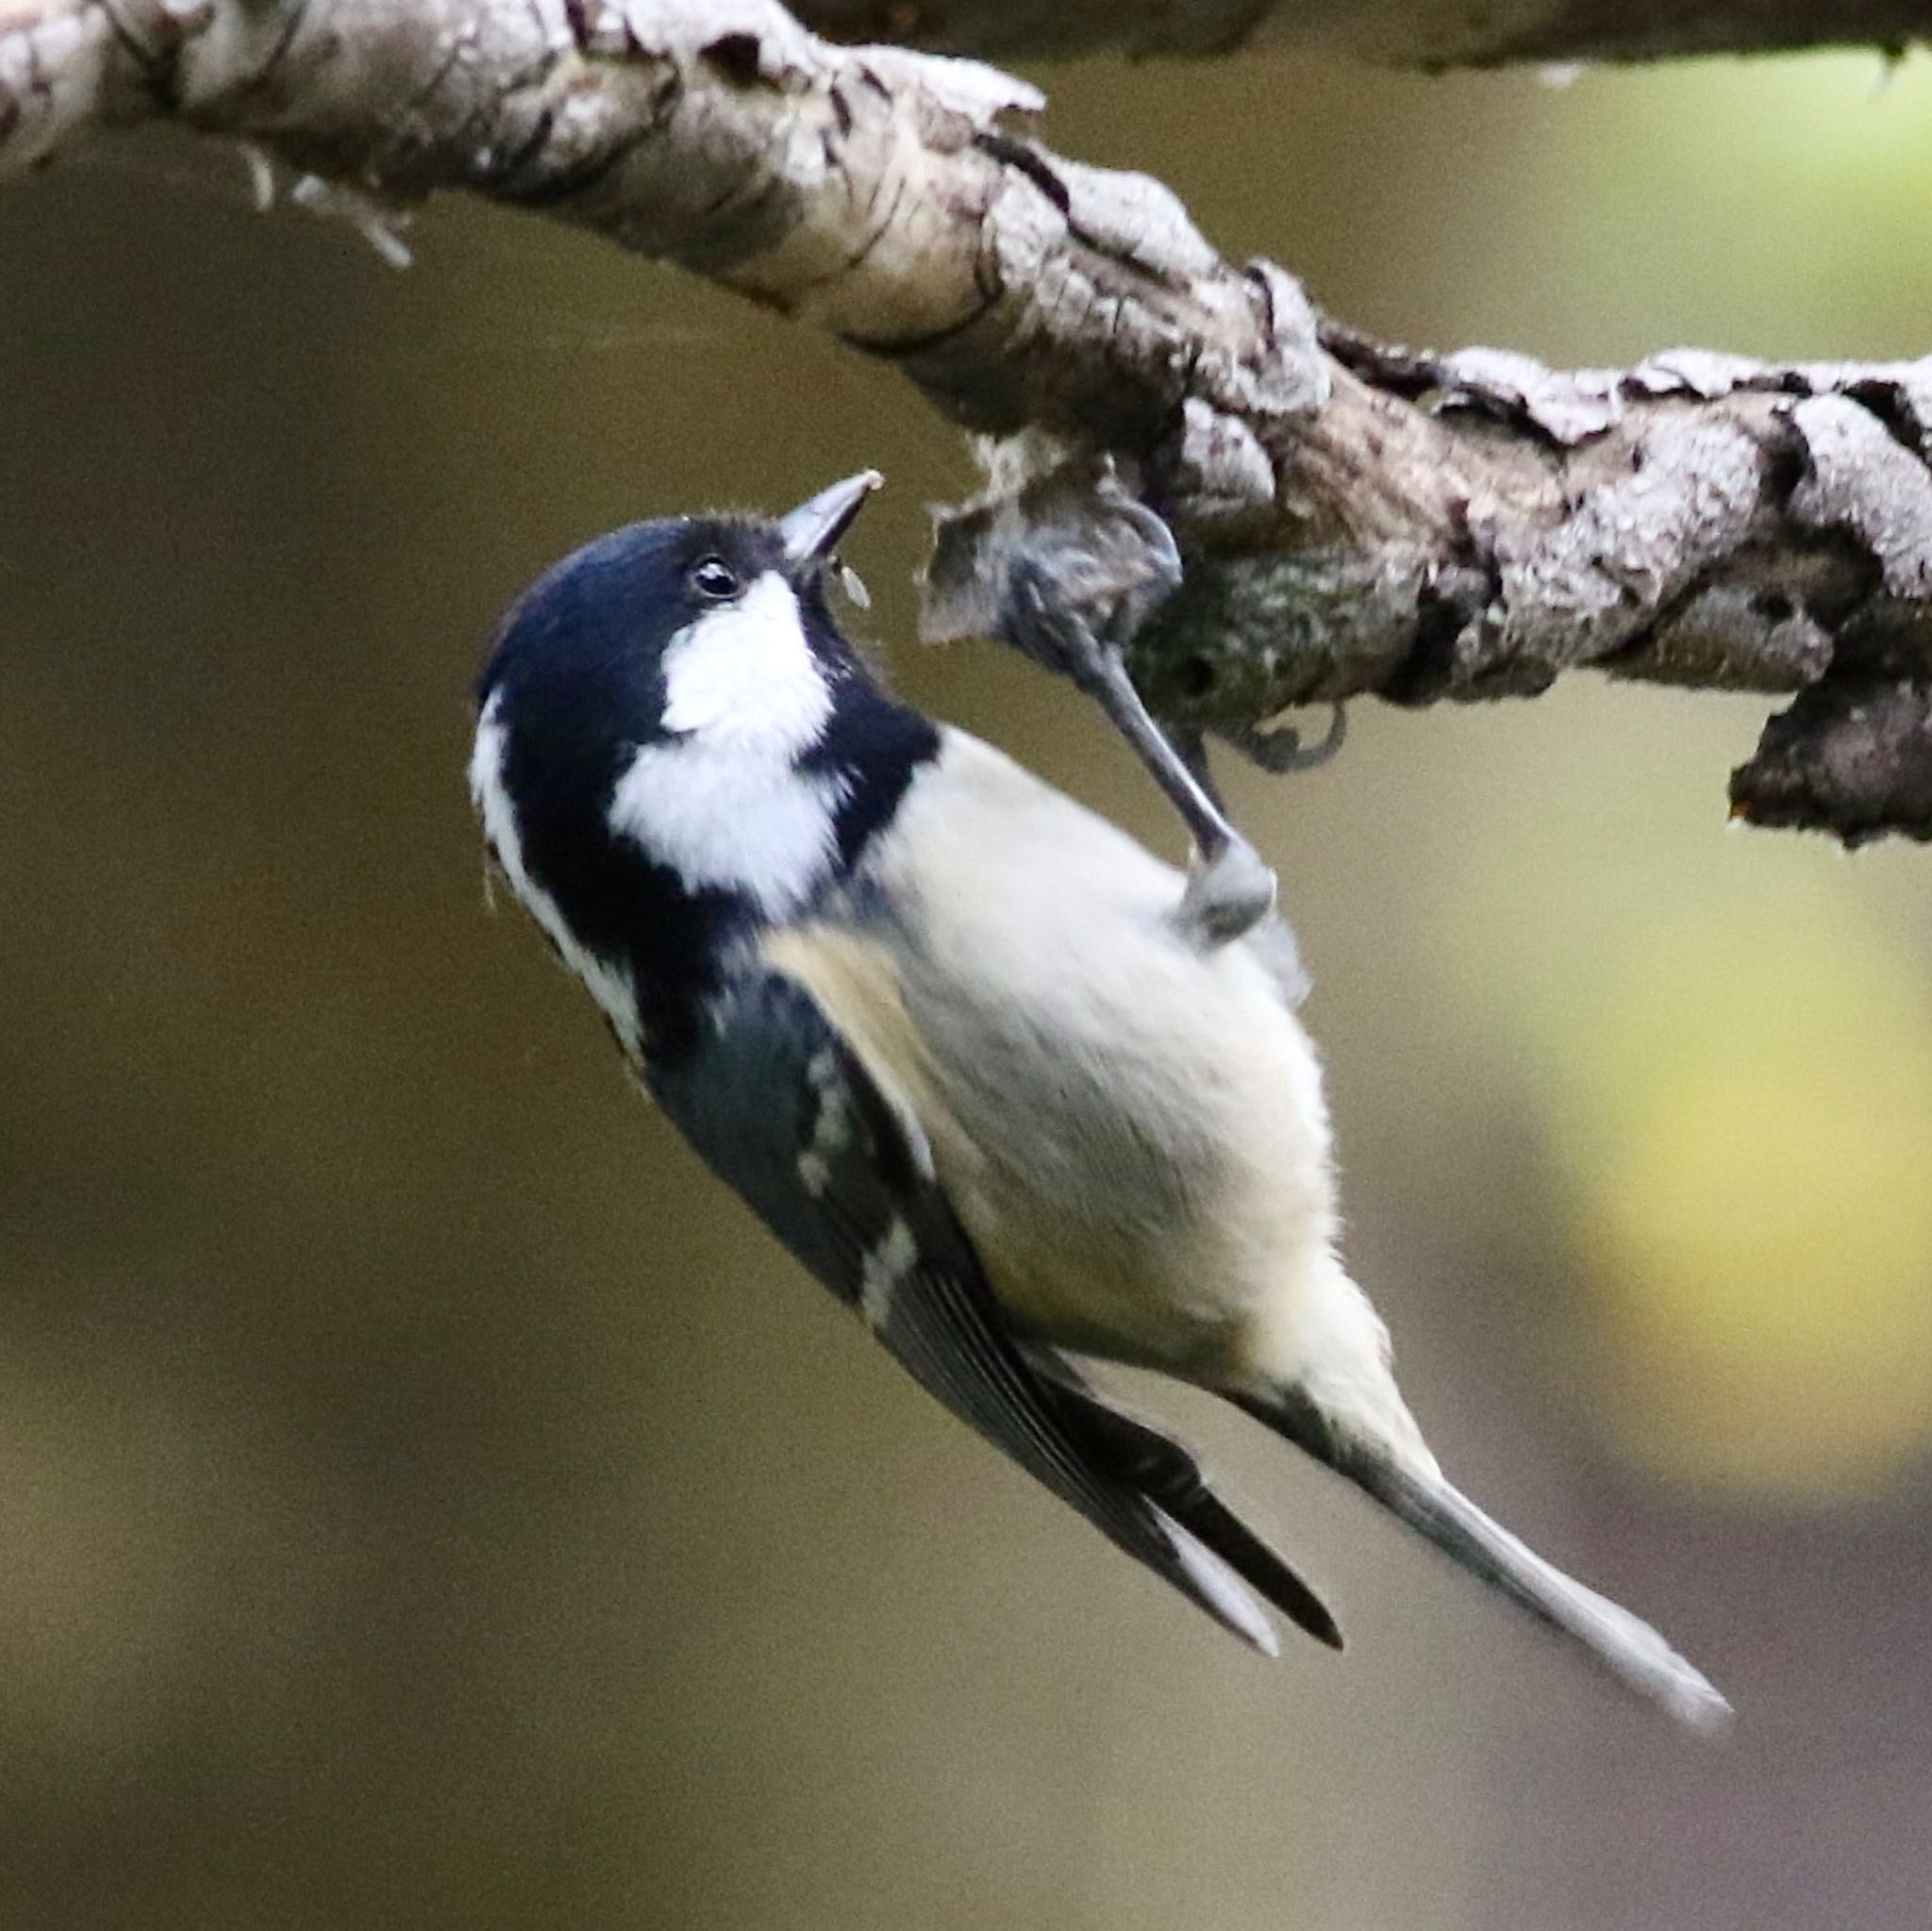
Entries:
{"x":606,"y":985}
{"x":724,"y":819}
{"x":722,"y":804}
{"x":744,"y":674}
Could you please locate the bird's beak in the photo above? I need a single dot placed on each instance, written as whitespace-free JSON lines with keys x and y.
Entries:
{"x":812,"y":530}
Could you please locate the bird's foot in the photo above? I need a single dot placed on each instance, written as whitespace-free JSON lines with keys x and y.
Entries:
{"x":1228,"y":895}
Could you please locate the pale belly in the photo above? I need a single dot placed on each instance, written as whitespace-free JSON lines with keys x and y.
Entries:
{"x":1133,"y":1135}
{"x":1142,"y":1168}
{"x":1149,"y":1207}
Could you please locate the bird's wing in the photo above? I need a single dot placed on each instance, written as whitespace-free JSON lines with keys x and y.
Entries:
{"x":780,"y":1107}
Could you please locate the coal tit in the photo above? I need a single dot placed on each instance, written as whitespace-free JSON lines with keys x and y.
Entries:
{"x":938,"y":1026}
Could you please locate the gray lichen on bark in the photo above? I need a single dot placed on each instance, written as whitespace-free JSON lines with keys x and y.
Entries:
{"x":1354,"y":518}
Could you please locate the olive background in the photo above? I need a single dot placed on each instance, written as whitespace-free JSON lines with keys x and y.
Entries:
{"x":426,"y":1500}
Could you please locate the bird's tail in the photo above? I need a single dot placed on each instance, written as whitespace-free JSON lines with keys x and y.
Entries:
{"x":1209,"y":1545}
{"x":1410,"y":1487}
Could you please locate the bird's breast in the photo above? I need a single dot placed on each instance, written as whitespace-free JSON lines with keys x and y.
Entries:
{"x":1132,"y":1133}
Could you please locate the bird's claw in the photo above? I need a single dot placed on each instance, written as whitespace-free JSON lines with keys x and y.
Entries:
{"x":1282,"y":750}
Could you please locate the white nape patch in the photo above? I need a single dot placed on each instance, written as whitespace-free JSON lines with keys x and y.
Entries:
{"x":722,"y":804}
{"x":744,"y":674}
{"x":887,"y":1264}
{"x":608,"y":985}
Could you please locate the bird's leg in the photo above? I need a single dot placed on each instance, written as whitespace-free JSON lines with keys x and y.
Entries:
{"x":1191,"y":746}
{"x":1229,"y":890}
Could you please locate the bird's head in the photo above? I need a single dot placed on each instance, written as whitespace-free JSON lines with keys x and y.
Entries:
{"x":691,"y":629}
{"x":674,"y":739}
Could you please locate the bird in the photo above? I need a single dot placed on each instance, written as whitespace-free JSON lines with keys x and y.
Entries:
{"x":940,"y":1028}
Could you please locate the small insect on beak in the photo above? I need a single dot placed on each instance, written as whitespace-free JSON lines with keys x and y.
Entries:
{"x":812,"y":530}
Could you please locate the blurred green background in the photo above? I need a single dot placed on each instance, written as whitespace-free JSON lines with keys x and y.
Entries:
{"x":427,"y":1501}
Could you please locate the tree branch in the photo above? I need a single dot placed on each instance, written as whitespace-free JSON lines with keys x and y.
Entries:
{"x":1406,"y":33}
{"x":1354,"y":518}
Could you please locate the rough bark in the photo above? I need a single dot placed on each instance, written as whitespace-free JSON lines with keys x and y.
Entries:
{"x":1354,"y":518}
{"x":1406,"y":33}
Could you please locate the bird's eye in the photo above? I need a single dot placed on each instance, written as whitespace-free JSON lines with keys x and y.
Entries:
{"x":715,"y":578}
